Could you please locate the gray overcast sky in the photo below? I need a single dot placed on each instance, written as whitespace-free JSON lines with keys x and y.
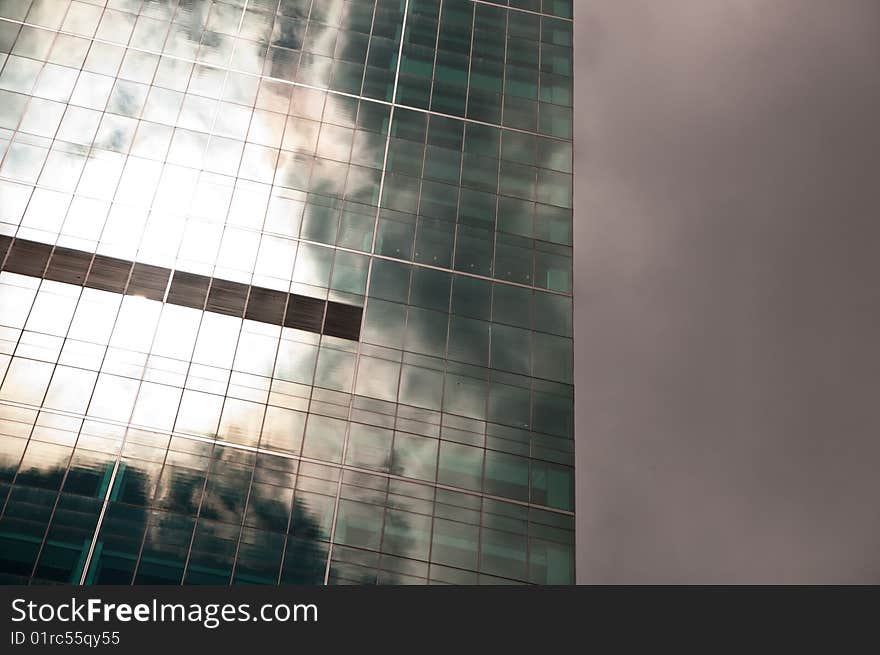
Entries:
{"x":727,"y":290}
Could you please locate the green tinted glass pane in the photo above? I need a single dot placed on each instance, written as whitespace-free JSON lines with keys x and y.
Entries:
{"x":368,"y":148}
{"x":421,"y":387}
{"x":550,"y":562}
{"x":556,"y":31}
{"x":553,"y":357}
{"x":439,"y":201}
{"x":552,"y":271}
{"x":520,"y":113}
{"x":556,"y":89}
{"x":43,"y":466}
{"x":313,"y":265}
{"x":561,"y":8}
{"x":524,"y":25}
{"x":556,"y":59}
{"x":477,"y":208}
{"x":409,"y":125}
{"x":369,"y":447}
{"x":430,"y":288}
{"x":554,"y":188}
{"x":356,"y":230}
{"x":89,"y":474}
{"x":480,"y":172}
{"x":507,"y":475}
{"x":554,"y":154}
{"x":377,"y":378}
{"x":552,"y":414}
{"x":455,"y":544}
{"x":351,"y":44}
{"x":450,"y":91}
{"x":346,"y":77}
{"x":282,"y":429}
{"x":378,"y":81}
{"x":58,"y":562}
{"x":335,"y":369}
{"x":358,"y":524}
{"x":442,"y":164}
{"x":553,"y":313}
{"x":445,"y":132}
{"x":518,"y":147}
{"x":158,"y":572}
{"x":513,"y":259}
{"x":406,"y":534}
{"x":320,"y":223}
{"x":396,"y":234}
{"x":509,"y":405}
{"x":362,"y":185}
{"x":414,"y":91}
{"x":470,"y":297}
{"x":405,"y":156}
{"x":484,"y":106}
{"x":389,"y":280}
{"x":269,"y":507}
{"x":518,"y":180}
{"x":520,"y":82}
{"x":515,"y":216}
{"x":465,"y":396}
{"x":312,"y":515}
{"x":259,"y":557}
{"x":304,"y":561}
{"x":418,"y":61}
{"x":137,"y":482}
{"x":511,"y":305}
{"x":553,"y":224}
{"x":426,"y":332}
{"x":487,"y":73}
{"x":555,"y":120}
{"x":552,"y":485}
{"x":503,"y":554}
{"x":434,"y":242}
{"x":373,"y":116}
{"x":384,"y":323}
{"x":401,"y":192}
{"x":473,"y":250}
{"x":469,"y":340}
{"x":460,"y":466}
{"x":323,"y":438}
{"x":414,"y":457}
{"x":511,"y":349}
{"x":482,"y":139}
{"x":349,"y":272}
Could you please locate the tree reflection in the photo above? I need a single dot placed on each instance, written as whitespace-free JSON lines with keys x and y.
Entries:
{"x":146,"y":536}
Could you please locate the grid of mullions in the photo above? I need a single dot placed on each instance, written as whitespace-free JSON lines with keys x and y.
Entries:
{"x":319,"y":188}
{"x":320,"y":185}
{"x":502,"y":67}
{"x":186,"y":511}
{"x":347,"y":46}
{"x":559,"y":8}
{"x":479,"y":200}
{"x":192,"y":359}
{"x":70,"y":387}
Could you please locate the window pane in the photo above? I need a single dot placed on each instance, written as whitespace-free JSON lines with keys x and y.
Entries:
{"x":460,"y":466}
{"x":358,"y":524}
{"x":369,"y":447}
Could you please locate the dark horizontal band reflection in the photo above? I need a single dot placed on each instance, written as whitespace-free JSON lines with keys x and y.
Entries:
{"x":186,"y":289}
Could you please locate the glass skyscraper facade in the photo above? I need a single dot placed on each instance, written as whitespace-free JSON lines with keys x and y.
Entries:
{"x":286,"y":292}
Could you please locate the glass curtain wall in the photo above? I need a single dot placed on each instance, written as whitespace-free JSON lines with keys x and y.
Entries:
{"x":286,"y":292}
